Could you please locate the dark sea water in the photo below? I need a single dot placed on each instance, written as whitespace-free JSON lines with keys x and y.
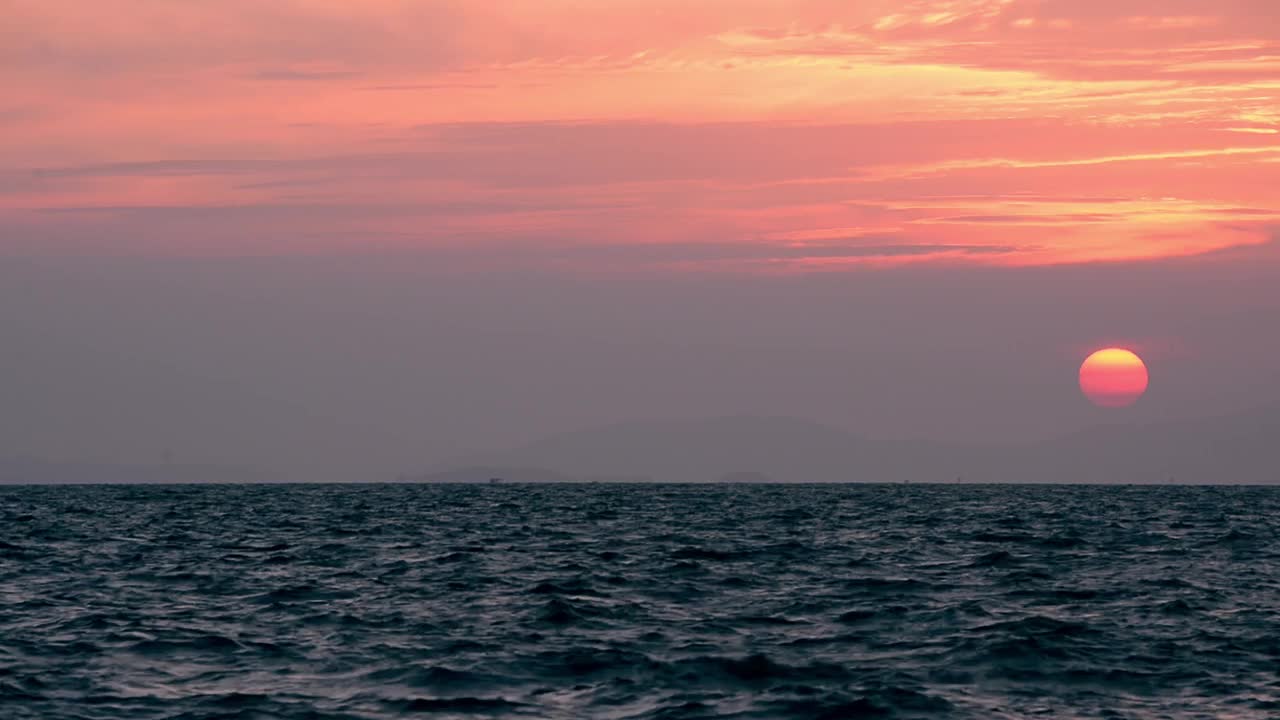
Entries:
{"x":627,"y":601}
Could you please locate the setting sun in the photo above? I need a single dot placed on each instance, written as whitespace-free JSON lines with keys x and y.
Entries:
{"x":1113,"y":377}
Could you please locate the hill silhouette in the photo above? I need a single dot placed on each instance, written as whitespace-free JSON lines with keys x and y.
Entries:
{"x":1239,"y":448}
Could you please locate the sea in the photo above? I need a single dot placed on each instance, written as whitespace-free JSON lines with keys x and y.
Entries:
{"x":645,"y":602}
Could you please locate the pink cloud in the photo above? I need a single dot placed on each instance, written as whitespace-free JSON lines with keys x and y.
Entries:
{"x":1045,"y":131}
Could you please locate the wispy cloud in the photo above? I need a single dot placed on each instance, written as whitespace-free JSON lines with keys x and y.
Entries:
{"x":1044,"y":130}
{"x":303,"y":74}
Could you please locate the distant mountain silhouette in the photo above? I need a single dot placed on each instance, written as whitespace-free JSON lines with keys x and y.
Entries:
{"x":784,"y":449}
{"x":507,"y":473}
{"x":745,"y":476}
{"x":1240,"y":448}
{"x":489,"y":474}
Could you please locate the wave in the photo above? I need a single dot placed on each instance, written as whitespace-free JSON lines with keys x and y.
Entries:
{"x":637,"y":602}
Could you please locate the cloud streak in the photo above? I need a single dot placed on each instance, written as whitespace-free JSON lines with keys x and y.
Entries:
{"x":976,"y":131}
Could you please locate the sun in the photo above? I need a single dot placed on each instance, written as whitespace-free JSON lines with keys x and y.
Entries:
{"x":1113,"y":377}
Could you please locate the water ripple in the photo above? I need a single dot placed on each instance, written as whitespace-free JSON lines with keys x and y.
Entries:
{"x":638,"y":602}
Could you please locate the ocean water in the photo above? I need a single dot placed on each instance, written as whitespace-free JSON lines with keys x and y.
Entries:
{"x":630,"y":601}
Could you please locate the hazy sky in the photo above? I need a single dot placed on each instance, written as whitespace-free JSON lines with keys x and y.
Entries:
{"x":364,"y":236}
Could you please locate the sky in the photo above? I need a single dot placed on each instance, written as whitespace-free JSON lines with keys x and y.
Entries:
{"x":356,"y":237}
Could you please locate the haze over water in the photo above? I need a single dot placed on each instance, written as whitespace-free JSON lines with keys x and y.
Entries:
{"x":653,"y":602}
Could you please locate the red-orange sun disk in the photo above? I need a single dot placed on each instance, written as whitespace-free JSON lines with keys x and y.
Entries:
{"x":1113,"y":377}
